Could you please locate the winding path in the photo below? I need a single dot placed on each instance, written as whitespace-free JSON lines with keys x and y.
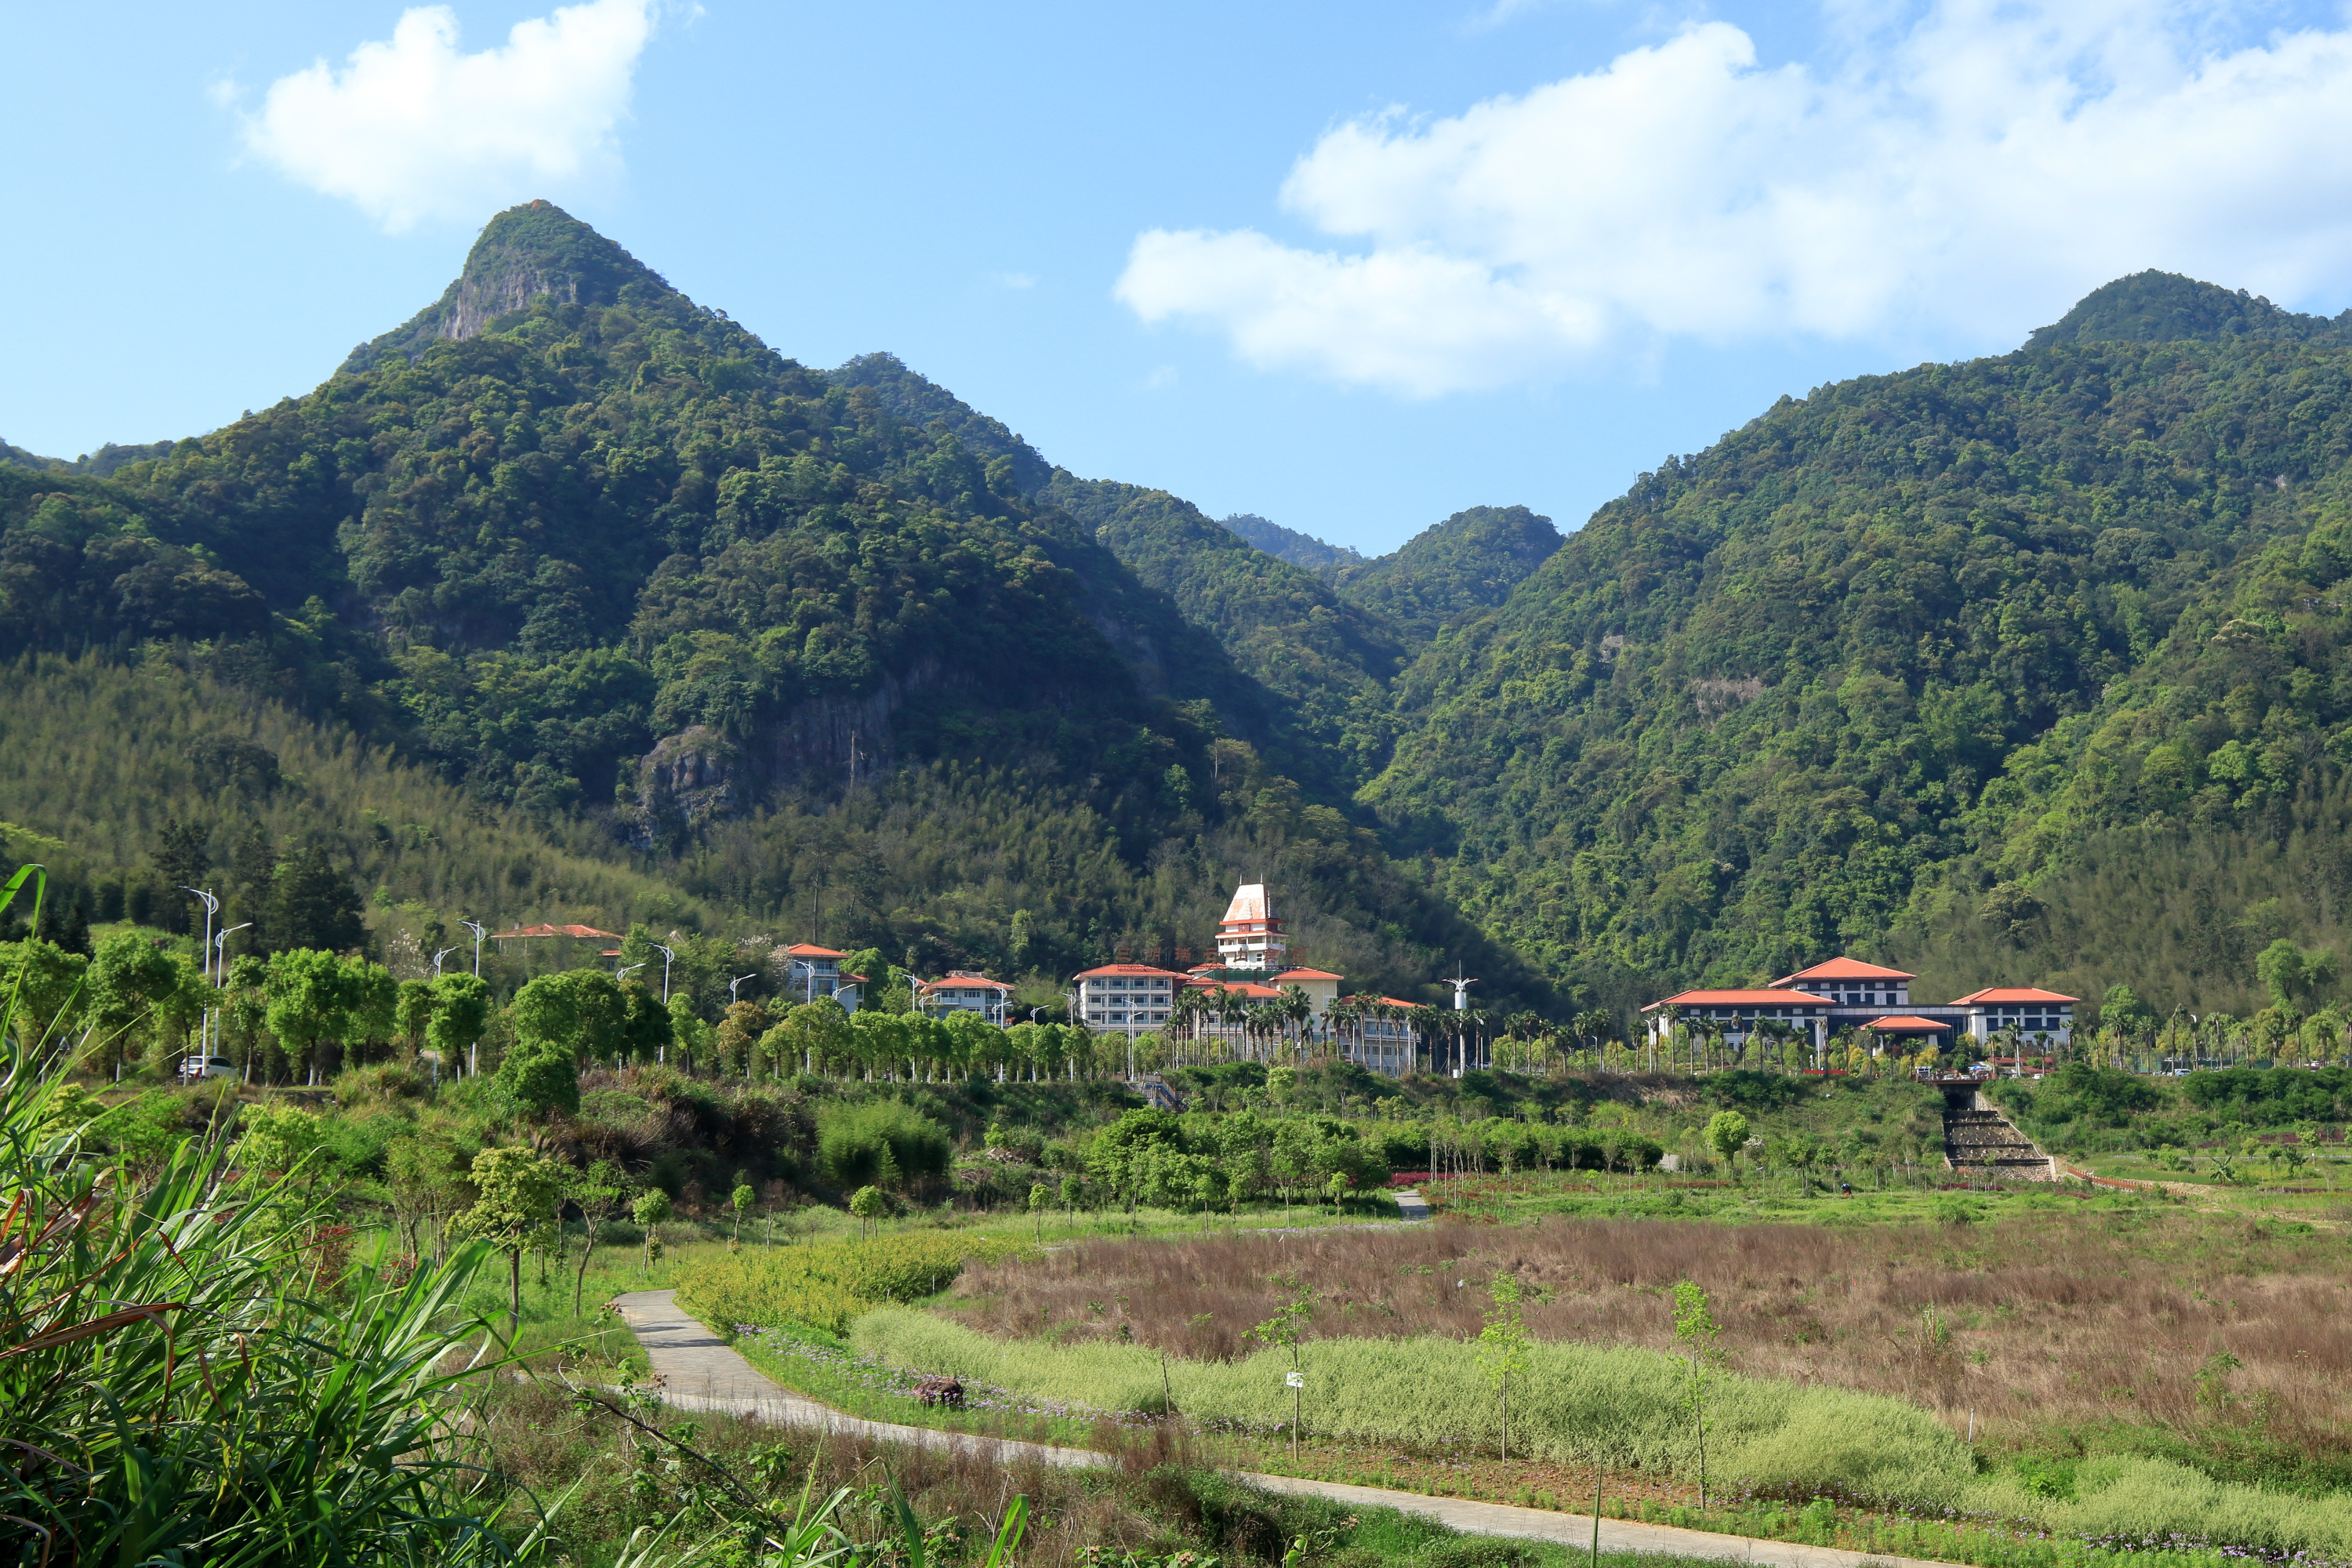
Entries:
{"x":694,"y":1370}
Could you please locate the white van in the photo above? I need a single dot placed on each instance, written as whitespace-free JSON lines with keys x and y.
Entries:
{"x":195,"y":1067}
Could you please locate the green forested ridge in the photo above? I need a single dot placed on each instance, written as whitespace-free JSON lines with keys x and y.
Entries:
{"x":1918,"y":664}
{"x":1327,"y":662}
{"x":128,"y":781}
{"x":2164,"y":307}
{"x":599,"y":556}
{"x":1298,"y":549}
{"x":1461,"y":568}
{"x":1893,"y":653}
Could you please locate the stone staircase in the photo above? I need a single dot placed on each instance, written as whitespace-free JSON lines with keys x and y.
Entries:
{"x":1160,"y":1093}
{"x":1979,"y":1141}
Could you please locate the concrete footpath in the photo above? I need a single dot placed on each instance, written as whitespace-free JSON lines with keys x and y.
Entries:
{"x":694,"y":1370}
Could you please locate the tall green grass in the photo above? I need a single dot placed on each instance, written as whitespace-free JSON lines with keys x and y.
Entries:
{"x":1577,"y":1402}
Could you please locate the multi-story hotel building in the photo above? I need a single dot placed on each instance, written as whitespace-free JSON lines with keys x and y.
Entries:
{"x":1847,"y":994}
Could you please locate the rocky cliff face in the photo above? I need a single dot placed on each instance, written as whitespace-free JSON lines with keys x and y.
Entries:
{"x":523,"y":254}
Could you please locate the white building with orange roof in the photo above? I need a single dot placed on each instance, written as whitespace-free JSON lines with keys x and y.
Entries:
{"x":1734,"y":1014}
{"x":1250,"y":936}
{"x":1130,"y":999}
{"x":1843,"y":994}
{"x":1382,"y":1038}
{"x":964,"y":990}
{"x":2030,"y":1012}
{"x":1322,"y":986}
{"x":812,"y":971}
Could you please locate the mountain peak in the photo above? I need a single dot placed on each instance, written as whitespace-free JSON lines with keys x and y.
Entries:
{"x":525,"y":253}
{"x":2164,"y":307}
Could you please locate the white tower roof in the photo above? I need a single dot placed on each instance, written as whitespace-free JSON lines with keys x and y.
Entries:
{"x":1250,"y":903}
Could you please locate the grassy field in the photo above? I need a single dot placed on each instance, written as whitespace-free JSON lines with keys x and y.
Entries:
{"x":2051,"y":1322}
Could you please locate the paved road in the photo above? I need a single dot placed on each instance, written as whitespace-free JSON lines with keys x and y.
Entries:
{"x":696,"y":1371}
{"x":1411,"y":1204}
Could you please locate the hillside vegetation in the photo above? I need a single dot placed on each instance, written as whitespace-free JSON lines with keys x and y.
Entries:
{"x":596,"y":555}
{"x":1888,"y":650}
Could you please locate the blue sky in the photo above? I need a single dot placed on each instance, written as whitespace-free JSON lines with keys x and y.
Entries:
{"x":1350,"y":266}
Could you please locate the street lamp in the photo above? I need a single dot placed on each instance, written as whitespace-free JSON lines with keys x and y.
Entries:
{"x":667,"y":956}
{"x":793,"y":963}
{"x":738,"y":981}
{"x":479,"y":932}
{"x":212,"y":908}
{"x":624,"y":974}
{"x":220,"y":976}
{"x":438,"y":957}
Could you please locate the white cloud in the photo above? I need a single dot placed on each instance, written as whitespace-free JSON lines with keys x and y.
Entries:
{"x":1014,"y":279}
{"x":411,"y":129}
{"x":1965,"y":176}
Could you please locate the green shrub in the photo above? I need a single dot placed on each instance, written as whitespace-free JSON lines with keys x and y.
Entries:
{"x":825,"y":1284}
{"x":879,"y":1143}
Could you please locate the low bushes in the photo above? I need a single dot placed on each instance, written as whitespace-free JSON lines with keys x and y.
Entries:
{"x":1576,"y":1401}
{"x":824,"y":1284}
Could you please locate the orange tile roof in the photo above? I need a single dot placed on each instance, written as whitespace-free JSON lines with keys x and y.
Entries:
{"x":1126,"y":968}
{"x":810,"y":950}
{"x":2011,"y":993}
{"x":1901,"y":1021}
{"x":1843,"y":968}
{"x":953,"y":980}
{"x":1309,"y":974}
{"x":1774,"y":998}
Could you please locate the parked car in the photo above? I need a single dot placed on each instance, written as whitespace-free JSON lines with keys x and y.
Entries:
{"x":195,"y":1067}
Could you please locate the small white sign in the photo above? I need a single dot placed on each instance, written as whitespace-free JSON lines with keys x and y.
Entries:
{"x":1294,"y":1380}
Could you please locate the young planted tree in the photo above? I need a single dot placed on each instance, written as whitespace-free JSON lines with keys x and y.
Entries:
{"x":866,"y":1203}
{"x":1038,"y":1200}
{"x":597,"y":1191}
{"x":461,"y":1010}
{"x":1695,"y":1330}
{"x":742,"y":1201}
{"x":1726,"y":1134}
{"x":651,"y":1211}
{"x":515,"y":1209}
{"x":1503,"y":1345}
{"x":1284,"y":1330}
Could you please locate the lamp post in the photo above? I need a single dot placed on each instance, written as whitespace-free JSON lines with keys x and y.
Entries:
{"x":751,"y":1049}
{"x":220,"y":978}
{"x":667,"y":957}
{"x":620,"y":974}
{"x":793,"y":963}
{"x":438,"y":957}
{"x":479,"y":932}
{"x":212,"y":908}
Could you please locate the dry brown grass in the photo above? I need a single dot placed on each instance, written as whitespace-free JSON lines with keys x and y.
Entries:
{"x":2053,"y":1318}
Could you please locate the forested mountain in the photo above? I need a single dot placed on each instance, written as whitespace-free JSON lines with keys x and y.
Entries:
{"x":1888,"y":656}
{"x":597,"y":555}
{"x":1298,"y":549}
{"x":2036,"y":660}
{"x":1444,"y":575}
{"x":1328,"y":662}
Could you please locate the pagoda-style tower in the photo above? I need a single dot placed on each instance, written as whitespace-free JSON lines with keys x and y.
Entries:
{"x":1249,"y":937}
